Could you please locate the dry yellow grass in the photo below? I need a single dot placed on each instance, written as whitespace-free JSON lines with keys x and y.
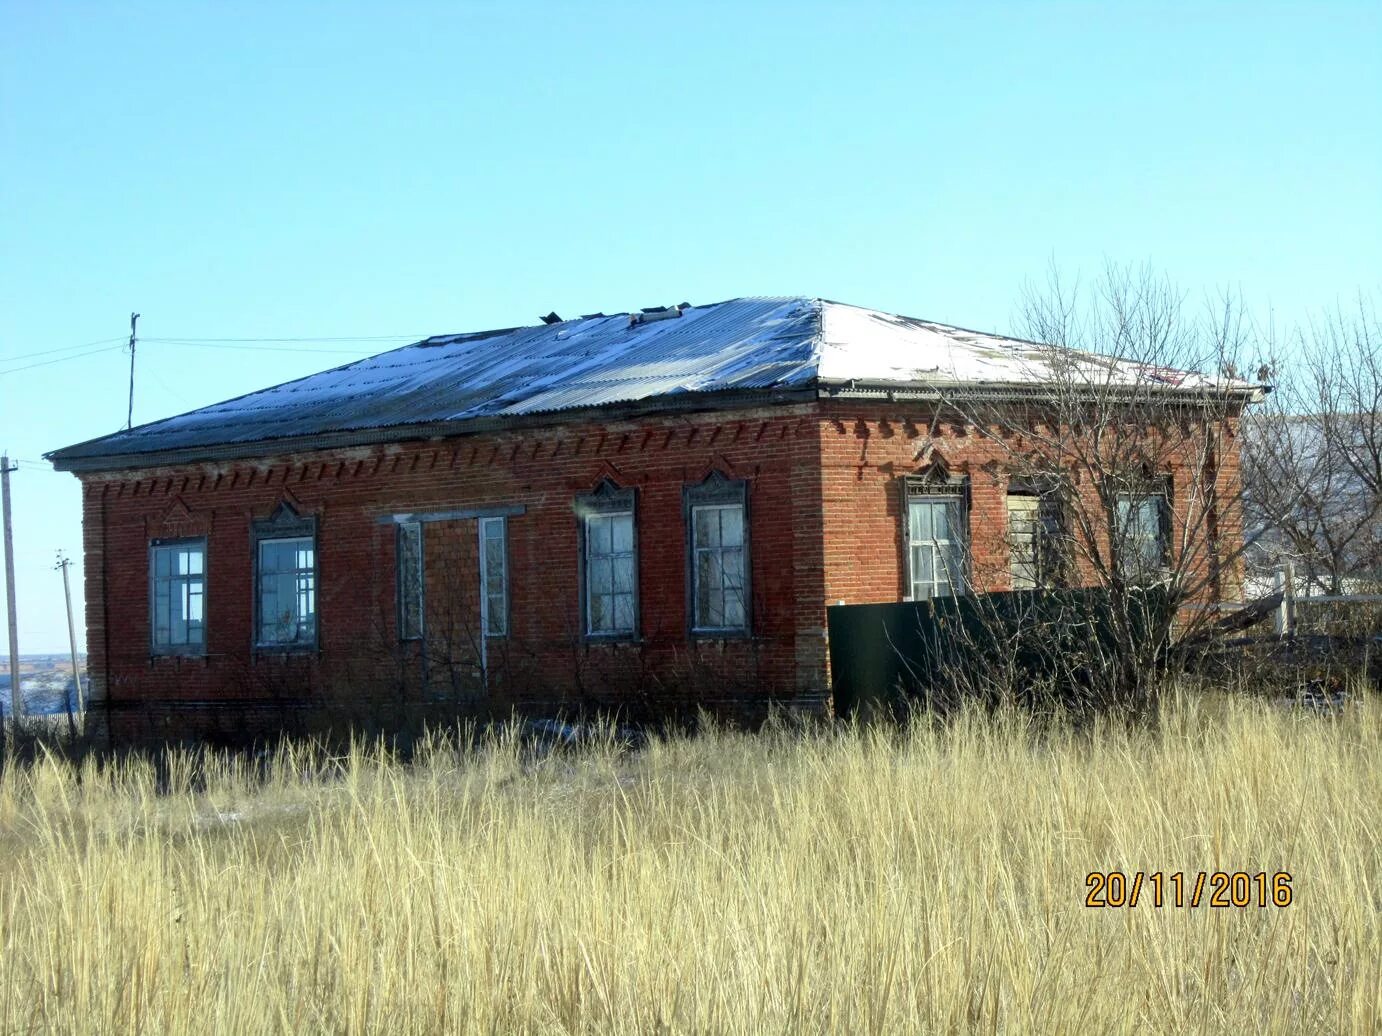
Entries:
{"x":865,"y":881}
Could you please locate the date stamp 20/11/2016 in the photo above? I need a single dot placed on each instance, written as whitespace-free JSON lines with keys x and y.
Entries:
{"x":1219,"y":889}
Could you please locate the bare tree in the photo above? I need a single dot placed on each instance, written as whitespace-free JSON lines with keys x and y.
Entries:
{"x":1313,"y":458}
{"x":1122,"y":422}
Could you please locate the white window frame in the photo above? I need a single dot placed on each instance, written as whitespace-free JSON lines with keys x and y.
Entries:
{"x":720,"y":551}
{"x":304,"y":595}
{"x":411,"y":582}
{"x":183,"y":587}
{"x":1129,"y":540}
{"x":284,"y":525}
{"x":494,"y":585}
{"x":928,"y":491}
{"x":607,"y":503}
{"x":718,"y":493}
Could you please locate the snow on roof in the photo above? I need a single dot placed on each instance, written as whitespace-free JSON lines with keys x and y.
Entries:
{"x":748,"y":345}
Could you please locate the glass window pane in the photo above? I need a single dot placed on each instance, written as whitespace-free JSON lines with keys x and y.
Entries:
{"x":732,"y":568}
{"x":734,"y":610}
{"x":494,"y":559}
{"x":410,"y":585}
{"x":287,"y":591}
{"x":177,"y":588}
{"x":599,"y":621}
{"x":920,"y":514}
{"x":1151,"y":517}
{"x":708,"y":568}
{"x":922,"y":558}
{"x":952,"y":559}
{"x":707,"y":527}
{"x":622,"y":533}
{"x":941,"y":519}
{"x":732,"y":526}
{"x":268,"y":558}
{"x":709,"y":608}
{"x":623,"y":574}
{"x":623,"y":612}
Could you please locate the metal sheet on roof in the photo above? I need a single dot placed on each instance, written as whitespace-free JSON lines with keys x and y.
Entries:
{"x":743,"y":344}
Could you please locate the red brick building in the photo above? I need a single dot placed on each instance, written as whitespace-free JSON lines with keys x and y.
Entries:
{"x":620,"y":511}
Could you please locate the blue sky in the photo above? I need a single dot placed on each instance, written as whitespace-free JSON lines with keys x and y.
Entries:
{"x":295,"y":170}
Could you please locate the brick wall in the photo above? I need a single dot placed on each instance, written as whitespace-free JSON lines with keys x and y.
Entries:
{"x":544,"y":662}
{"x":825,"y":525}
{"x":867,"y":448}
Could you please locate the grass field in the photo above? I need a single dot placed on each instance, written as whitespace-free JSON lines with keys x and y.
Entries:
{"x":858,"y":881}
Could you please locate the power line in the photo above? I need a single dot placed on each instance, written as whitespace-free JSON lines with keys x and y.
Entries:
{"x":357,"y":338}
{"x":261,"y":348}
{"x":63,"y":349}
{"x":281,"y":345}
{"x":60,"y":359}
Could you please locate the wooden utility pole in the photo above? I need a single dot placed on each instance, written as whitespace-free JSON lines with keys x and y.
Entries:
{"x":63,"y":563}
{"x":129,"y":417}
{"x":16,"y":699}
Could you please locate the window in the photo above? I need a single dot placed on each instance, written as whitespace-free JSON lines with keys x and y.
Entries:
{"x":494,"y":577}
{"x":717,"y":544}
{"x":609,"y":562}
{"x":285,"y":580}
{"x":1035,"y":540}
{"x":410,"y":581}
{"x":1142,"y":535}
{"x":935,"y":537}
{"x":287,"y":591}
{"x":177,"y":574}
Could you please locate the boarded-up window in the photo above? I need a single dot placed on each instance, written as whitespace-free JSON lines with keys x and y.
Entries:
{"x":1035,"y":540}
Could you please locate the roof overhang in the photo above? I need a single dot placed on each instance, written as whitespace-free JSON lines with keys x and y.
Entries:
{"x":83,"y":462}
{"x":681,"y":403}
{"x":1017,"y":392}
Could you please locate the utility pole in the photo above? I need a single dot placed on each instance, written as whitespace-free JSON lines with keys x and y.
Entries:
{"x":63,"y":563}
{"x":129,"y":418}
{"x":16,"y":699}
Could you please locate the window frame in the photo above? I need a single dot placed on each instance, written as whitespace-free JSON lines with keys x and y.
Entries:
{"x":284,"y":524}
{"x":717,"y":490}
{"x":936,"y":486}
{"x":483,"y":540}
{"x":1160,"y":492}
{"x":606,"y":500}
{"x":404,"y":634}
{"x":157,"y":650}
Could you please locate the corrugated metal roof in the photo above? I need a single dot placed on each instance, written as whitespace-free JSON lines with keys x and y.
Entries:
{"x":743,"y":345}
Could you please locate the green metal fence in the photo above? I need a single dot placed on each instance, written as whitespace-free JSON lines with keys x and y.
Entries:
{"x":893,"y":657}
